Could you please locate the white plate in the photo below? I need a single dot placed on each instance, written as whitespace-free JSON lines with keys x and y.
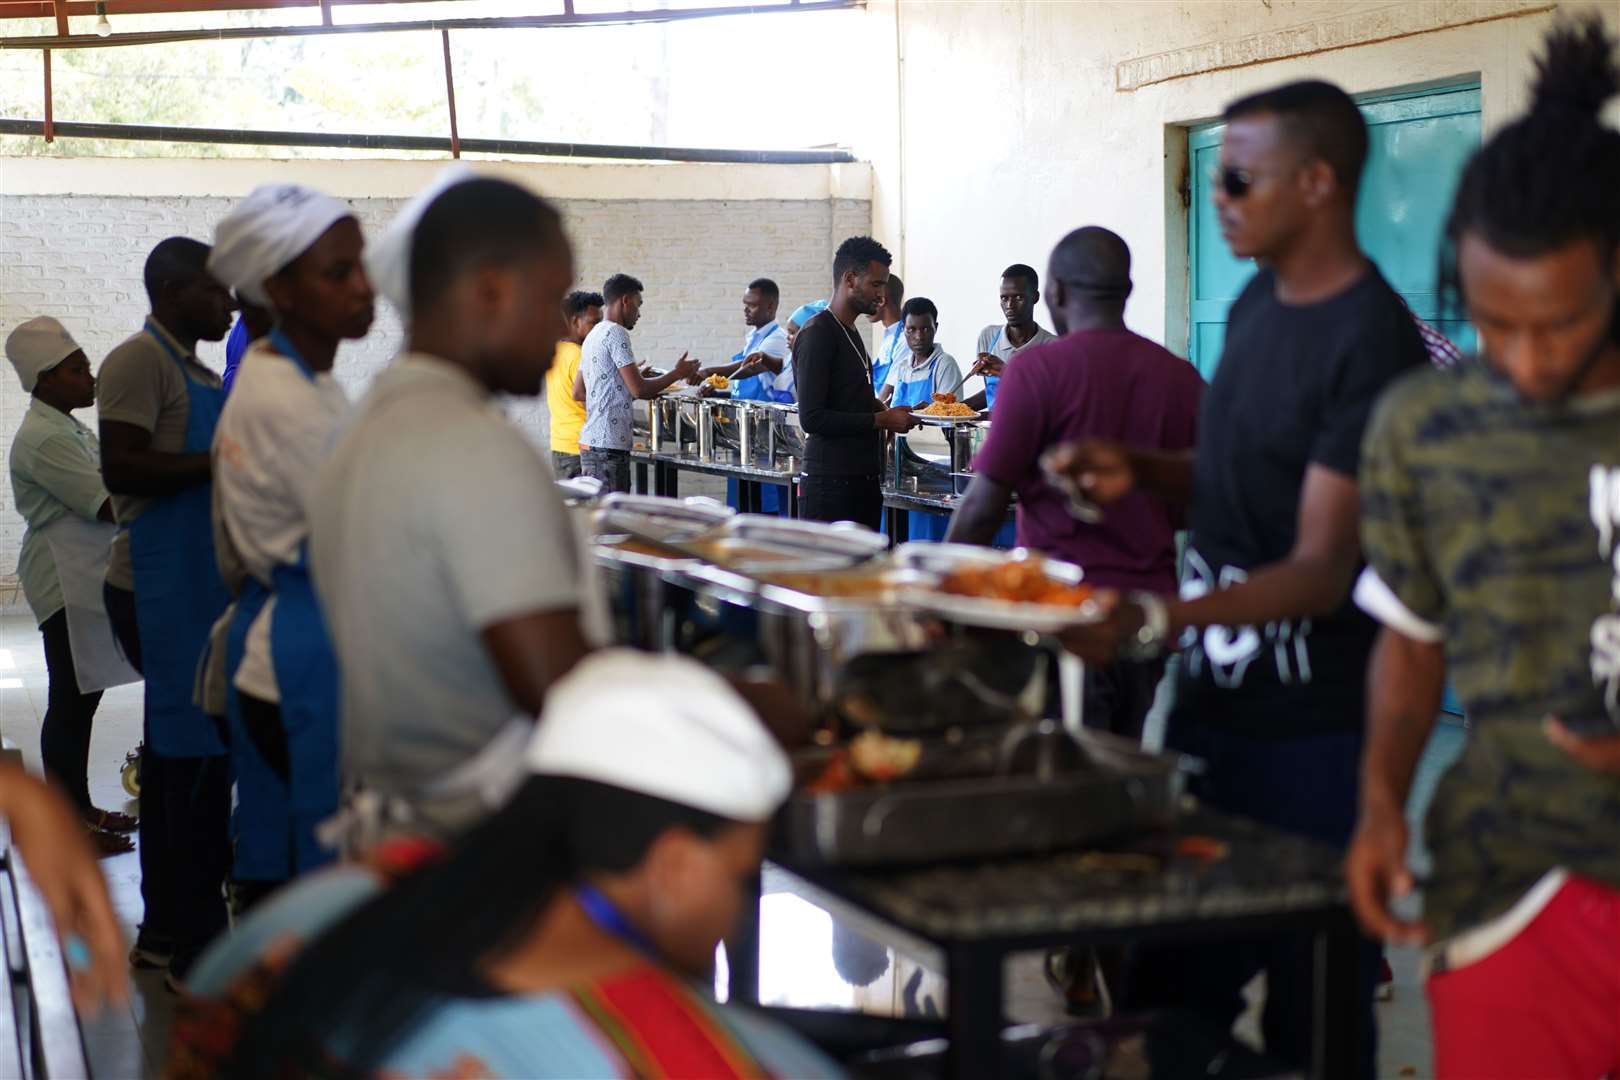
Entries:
{"x":1000,"y":614}
{"x":941,"y":559}
{"x":947,"y":421}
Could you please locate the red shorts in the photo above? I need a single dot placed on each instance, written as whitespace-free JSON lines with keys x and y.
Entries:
{"x":1543,"y":1004}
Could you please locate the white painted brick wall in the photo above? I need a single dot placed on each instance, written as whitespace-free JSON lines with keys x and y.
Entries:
{"x":79,"y":258}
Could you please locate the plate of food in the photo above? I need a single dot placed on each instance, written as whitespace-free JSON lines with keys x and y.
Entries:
{"x":1025,"y":592}
{"x":945,"y":409}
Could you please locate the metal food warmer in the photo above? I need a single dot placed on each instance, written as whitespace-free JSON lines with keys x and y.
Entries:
{"x":870,"y":645}
{"x":756,"y":440}
{"x":932,"y":465}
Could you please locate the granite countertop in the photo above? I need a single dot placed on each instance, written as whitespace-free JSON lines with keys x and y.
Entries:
{"x":1140,"y":883}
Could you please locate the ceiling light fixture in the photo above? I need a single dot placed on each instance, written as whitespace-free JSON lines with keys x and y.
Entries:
{"x":103,"y":27}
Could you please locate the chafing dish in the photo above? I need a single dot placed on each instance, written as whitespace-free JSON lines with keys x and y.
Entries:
{"x":579,"y":490}
{"x":669,"y":519}
{"x":751,"y":434}
{"x":1032,"y":789}
{"x":673,"y":424}
{"x":633,"y":535}
{"x":937,"y":458}
{"x":811,"y":613}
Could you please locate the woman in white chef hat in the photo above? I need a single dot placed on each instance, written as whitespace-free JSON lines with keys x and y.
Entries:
{"x":56,"y":481}
{"x":295,"y":252}
{"x":565,"y":936}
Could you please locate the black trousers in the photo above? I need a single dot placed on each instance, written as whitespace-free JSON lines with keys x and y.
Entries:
{"x":263,"y":722}
{"x":184,"y":832}
{"x":842,"y":498}
{"x":262,"y":719}
{"x":1307,"y":785}
{"x":64,"y":740}
{"x":1119,"y":697}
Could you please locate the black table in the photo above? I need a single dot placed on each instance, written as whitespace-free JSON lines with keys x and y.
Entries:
{"x":926,"y":501}
{"x":664,"y":478}
{"x":973,"y":916}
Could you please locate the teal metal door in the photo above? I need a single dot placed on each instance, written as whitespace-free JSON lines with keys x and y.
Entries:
{"x":1419,"y":143}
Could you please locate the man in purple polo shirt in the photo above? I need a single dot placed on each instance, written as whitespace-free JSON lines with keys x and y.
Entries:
{"x":1097,"y":381}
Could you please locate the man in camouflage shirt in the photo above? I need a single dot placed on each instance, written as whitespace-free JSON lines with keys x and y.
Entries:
{"x":1490,"y":524}
{"x":1490,"y":501}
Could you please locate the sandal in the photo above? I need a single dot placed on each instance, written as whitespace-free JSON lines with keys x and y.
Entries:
{"x":110,"y":821}
{"x":109,"y":843}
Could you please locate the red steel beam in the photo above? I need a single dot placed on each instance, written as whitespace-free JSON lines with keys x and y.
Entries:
{"x":45,"y":9}
{"x":50,"y":113}
{"x":559,"y":19}
{"x":450,"y":94}
{"x":60,"y":7}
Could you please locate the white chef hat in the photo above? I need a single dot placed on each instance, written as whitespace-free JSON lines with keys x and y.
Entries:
{"x":37,"y":346}
{"x":664,"y":726}
{"x":266,"y":231}
{"x":388,"y":257}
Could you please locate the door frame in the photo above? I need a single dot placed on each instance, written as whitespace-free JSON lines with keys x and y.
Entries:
{"x":1200,"y":135}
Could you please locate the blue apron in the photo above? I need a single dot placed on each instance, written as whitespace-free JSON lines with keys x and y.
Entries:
{"x":1007,"y":535}
{"x":921,"y":525}
{"x":753,"y":389}
{"x":880,"y":368}
{"x":992,"y":381}
{"x":178,"y":590}
{"x":274,"y":823}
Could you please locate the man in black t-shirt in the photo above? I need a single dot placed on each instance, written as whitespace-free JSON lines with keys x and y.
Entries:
{"x":1271,"y":693}
{"x":842,"y":418}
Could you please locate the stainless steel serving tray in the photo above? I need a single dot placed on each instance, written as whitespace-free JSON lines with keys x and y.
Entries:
{"x":1122,"y":790}
{"x":668,"y":518}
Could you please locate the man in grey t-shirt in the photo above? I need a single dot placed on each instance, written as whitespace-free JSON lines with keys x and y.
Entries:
{"x":999,"y":343}
{"x":443,"y":556}
{"x":612,"y":382}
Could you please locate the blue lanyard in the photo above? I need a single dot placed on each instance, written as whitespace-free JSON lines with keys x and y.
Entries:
{"x":608,"y":918}
{"x":284,"y":346}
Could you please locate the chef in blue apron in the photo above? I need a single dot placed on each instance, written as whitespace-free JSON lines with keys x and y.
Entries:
{"x":999,"y":342}
{"x":297,"y":253}
{"x":759,"y":368}
{"x":158,"y":404}
{"x":801,"y":316}
{"x":926,"y":369}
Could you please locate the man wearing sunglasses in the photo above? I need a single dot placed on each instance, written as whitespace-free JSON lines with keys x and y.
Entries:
{"x":1272,"y":688}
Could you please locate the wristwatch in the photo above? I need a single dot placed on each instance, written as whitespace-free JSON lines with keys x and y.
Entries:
{"x":1148,"y":641}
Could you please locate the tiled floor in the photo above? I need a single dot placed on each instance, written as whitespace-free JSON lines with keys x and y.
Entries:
{"x":798,"y":965}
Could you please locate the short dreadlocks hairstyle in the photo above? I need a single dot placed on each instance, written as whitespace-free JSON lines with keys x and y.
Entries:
{"x":1551,"y":177}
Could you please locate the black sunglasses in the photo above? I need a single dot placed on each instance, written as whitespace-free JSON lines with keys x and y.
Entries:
{"x":1235,"y":182}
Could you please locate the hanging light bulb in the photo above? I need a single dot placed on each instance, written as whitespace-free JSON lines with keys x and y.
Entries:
{"x":103,"y":27}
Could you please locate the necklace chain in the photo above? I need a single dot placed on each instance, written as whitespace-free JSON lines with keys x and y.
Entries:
{"x":860,"y":352}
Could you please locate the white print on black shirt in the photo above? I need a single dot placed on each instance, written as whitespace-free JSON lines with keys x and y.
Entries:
{"x":1605,"y":506}
{"x":1231,"y":649}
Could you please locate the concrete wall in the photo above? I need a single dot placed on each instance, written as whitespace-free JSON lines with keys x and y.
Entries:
{"x":74,"y":235}
{"x":1016,"y":122}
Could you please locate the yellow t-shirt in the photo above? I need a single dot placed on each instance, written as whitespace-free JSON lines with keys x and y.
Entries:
{"x":567,"y":415}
